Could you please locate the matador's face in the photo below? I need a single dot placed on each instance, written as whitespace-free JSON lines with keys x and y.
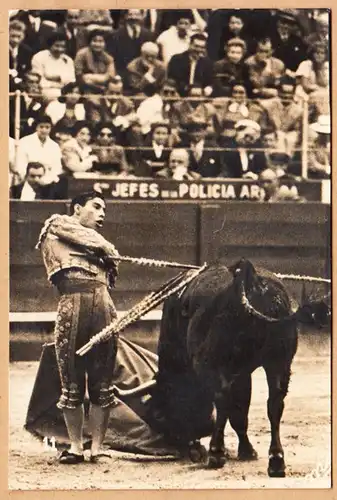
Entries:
{"x":92,"y":214}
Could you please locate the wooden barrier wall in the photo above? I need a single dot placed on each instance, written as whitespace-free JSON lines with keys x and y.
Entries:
{"x":286,"y":238}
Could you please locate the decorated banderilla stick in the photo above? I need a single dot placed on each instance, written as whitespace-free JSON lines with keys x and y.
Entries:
{"x":142,"y":261}
{"x":148,"y":303}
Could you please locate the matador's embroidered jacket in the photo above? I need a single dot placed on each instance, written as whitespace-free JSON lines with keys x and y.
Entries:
{"x":61,"y":237}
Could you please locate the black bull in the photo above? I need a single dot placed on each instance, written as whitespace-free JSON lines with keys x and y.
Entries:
{"x":210,"y":343}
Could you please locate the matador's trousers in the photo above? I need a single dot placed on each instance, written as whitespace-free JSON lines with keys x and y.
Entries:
{"x":84,"y":309}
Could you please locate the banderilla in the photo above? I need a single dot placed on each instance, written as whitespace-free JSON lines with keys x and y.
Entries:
{"x":142,"y":261}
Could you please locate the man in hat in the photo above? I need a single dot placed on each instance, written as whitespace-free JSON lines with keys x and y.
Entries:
{"x":288,"y":47}
{"x":146,"y":73}
{"x":322,"y":31}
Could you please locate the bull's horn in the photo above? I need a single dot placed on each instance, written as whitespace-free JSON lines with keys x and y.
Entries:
{"x":136,"y":391}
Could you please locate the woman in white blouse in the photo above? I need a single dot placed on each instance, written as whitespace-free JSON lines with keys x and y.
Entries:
{"x":68,"y":109}
{"x":77,"y":155}
{"x":313,"y":77}
{"x":54,"y":66}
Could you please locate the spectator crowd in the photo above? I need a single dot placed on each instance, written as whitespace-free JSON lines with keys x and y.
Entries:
{"x":182,"y":94}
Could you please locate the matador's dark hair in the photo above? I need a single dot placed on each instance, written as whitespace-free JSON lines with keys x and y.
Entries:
{"x":83,"y":198}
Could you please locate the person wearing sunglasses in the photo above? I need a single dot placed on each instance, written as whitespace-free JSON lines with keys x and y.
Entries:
{"x":110,"y":157}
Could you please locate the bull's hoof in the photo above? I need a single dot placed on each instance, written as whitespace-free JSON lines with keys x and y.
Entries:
{"x":276,"y":467}
{"x":247,"y":453}
{"x":216,"y":460}
{"x":197,"y":453}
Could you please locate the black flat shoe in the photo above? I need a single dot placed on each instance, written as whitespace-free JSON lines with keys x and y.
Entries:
{"x":70,"y":458}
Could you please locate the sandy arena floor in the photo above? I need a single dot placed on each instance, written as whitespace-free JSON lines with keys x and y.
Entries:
{"x":305,"y":432}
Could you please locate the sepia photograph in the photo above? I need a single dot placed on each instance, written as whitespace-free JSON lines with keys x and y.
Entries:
{"x":170,"y":249}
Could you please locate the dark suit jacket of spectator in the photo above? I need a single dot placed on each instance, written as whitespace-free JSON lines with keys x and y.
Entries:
{"x":226,"y":74}
{"x":124,"y":49}
{"x":149,"y":164}
{"x":179,"y":70}
{"x":28,"y":115}
{"x":291,"y":52}
{"x":51,"y":191}
{"x":233,"y":167}
{"x":210,"y":164}
{"x":137,"y":83}
{"x":256,"y":26}
{"x":23,"y":63}
{"x":124,"y":106}
{"x":36,"y":40}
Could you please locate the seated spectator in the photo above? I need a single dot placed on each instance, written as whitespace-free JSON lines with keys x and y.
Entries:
{"x":40,"y":24}
{"x":20,"y":55}
{"x":125,"y":43}
{"x":288,"y":47}
{"x":39,"y":147}
{"x":286,"y":115}
{"x":169,"y":96}
{"x":110,"y":156}
{"x":178,"y":167}
{"x":158,"y":107}
{"x":176,"y":39}
{"x":77,"y":154}
{"x":322,"y":30}
{"x":33,"y":187}
{"x":231,"y":69}
{"x":195,"y":108}
{"x":30,"y":105}
{"x":192,"y":67}
{"x":156,"y":156}
{"x":12,"y":178}
{"x":244,"y":161}
{"x":54,"y":66}
{"x":94,"y":68}
{"x":146,"y":73}
{"x":150,"y":111}
{"x":313,"y":77}
{"x":264,"y":70}
{"x":238,"y":107}
{"x":90,"y":20}
{"x":61,"y":135}
{"x":319,"y":155}
{"x":273,"y":191}
{"x":68,"y":109}
{"x":117,"y":108}
{"x":133,"y":142}
{"x":70,"y":28}
{"x":203,"y":155}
